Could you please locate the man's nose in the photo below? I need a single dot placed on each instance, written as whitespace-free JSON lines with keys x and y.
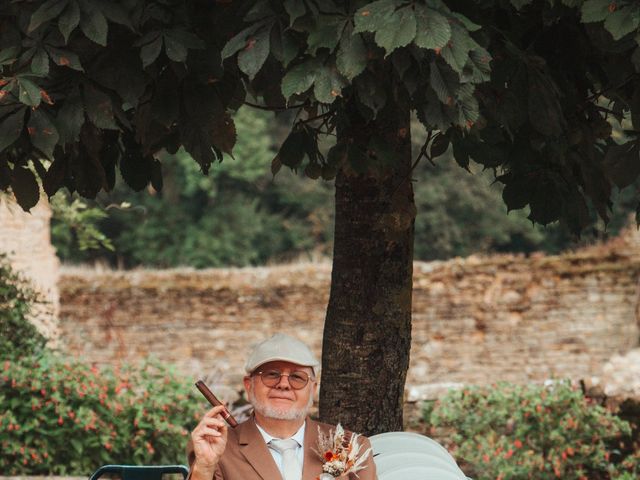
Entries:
{"x":282,"y":384}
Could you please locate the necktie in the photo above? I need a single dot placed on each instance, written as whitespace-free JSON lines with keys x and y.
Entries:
{"x":291,"y":469}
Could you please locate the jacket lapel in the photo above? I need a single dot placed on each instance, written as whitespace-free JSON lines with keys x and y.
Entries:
{"x":256,"y":452}
{"x":312,"y":466}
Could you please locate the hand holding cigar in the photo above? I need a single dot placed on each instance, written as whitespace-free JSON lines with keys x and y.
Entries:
{"x":211,"y":398}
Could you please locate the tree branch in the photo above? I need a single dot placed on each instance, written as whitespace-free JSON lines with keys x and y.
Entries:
{"x":274,"y":108}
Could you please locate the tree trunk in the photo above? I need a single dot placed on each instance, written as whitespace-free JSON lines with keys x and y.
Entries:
{"x":367,"y":332}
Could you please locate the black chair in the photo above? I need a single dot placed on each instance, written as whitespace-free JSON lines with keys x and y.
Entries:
{"x":140,"y":472}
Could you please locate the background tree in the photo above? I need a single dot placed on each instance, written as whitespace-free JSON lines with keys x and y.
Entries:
{"x":525,"y":88}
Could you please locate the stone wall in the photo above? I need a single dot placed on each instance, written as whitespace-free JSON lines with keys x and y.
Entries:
{"x":476,"y":320}
{"x":26,"y":239}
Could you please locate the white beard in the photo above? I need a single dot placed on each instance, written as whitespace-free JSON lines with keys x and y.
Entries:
{"x":279,"y":413}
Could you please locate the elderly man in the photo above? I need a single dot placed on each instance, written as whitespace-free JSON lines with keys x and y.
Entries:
{"x":279,"y":440}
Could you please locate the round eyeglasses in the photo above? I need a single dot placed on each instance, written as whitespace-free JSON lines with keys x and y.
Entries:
{"x":271,"y":378}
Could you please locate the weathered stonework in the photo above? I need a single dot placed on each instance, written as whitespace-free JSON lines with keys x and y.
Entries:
{"x":26,"y":239}
{"x":475,"y":320}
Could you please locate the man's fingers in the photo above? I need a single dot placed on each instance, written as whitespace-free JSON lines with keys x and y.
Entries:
{"x":213,"y":422}
{"x":215,"y":411}
{"x":210,"y":432}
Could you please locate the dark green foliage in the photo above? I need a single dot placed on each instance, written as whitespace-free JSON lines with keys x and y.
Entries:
{"x":18,"y":336}
{"x":534,"y":432}
{"x":63,"y":417}
{"x":527,"y":88}
{"x":236,"y":216}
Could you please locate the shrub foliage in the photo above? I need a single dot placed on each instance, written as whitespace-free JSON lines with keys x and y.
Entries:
{"x":533,"y":432}
{"x":18,"y":336}
{"x":66,"y":417}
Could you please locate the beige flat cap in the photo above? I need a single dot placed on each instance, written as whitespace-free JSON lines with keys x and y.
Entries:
{"x":281,"y":347}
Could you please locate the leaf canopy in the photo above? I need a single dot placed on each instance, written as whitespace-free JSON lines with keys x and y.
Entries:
{"x":529,"y":89}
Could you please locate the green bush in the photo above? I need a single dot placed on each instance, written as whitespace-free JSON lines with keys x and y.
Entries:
{"x":63,"y":417}
{"x":18,"y":336}
{"x":517,"y":432}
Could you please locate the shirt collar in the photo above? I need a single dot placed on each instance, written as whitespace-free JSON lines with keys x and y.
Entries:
{"x":298,"y":436}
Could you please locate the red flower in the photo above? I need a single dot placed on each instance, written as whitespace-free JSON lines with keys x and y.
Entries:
{"x":517,"y":444}
{"x":509,"y":454}
{"x":328,"y":456}
{"x":60,"y":420}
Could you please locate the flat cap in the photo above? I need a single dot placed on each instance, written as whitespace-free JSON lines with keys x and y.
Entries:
{"x":284,"y":348}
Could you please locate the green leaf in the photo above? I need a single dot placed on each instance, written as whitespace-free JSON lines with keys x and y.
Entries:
{"x":433,"y":28}
{"x":295,"y":9}
{"x":595,"y":10}
{"x":460,"y":149}
{"x":77,"y":445}
{"x":174,"y":48}
{"x":150,"y":51}
{"x":300,"y":78}
{"x":64,"y":58}
{"x":478,"y":67}
{"x":11,"y":128}
{"x":622,"y":22}
{"x":622,"y":163}
{"x":69,"y":20}
{"x":40,"y":62}
{"x":545,"y":111}
{"x":466,"y":23}
{"x":9,"y":55}
{"x":519,"y":4}
{"x":545,"y":202}
{"x":116,"y":13}
{"x":444,"y":83}
{"x":25,"y":188}
{"x":136,"y":169}
{"x":239,"y":41}
{"x":156,"y":175}
{"x":56,"y":174}
{"x":398,"y":31}
{"x":70,"y":118}
{"x":258,"y":12}
{"x":284,"y":47}
{"x":439,"y":145}
{"x":328,"y":84}
{"x":99,"y":108}
{"x":351,"y":59}
{"x":29,"y":92}
{"x":516,"y":194}
{"x":93,"y":23}
{"x":47,"y":11}
{"x":223,"y":133}
{"x":44,"y":135}
{"x":325,"y":34}
{"x":373,"y":16}
{"x":370,"y":93}
{"x":188,"y":39}
{"x":292,"y":150}
{"x":456,"y":52}
{"x":252,"y":57}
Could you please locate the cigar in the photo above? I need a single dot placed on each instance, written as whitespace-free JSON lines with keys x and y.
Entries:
{"x":211,"y":398}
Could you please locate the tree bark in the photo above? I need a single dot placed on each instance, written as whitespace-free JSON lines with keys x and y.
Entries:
{"x":367,"y":332}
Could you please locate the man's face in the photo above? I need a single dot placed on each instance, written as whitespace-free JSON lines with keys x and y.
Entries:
{"x":280,"y":401}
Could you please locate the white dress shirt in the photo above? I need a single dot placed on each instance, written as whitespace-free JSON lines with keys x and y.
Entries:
{"x":277,"y":457}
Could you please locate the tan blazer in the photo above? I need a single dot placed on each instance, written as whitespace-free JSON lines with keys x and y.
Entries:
{"x":247,"y":456}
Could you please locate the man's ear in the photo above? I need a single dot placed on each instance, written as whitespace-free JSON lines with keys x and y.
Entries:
{"x":247,"y":383}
